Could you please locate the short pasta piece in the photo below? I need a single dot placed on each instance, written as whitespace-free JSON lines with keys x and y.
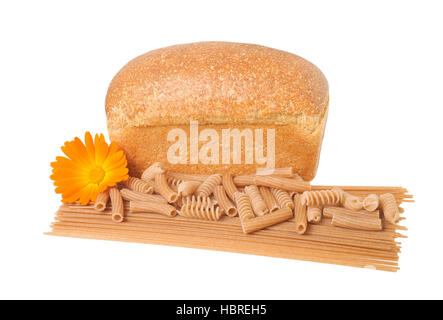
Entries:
{"x":208,"y":186}
{"x":283,"y":198}
{"x":328,"y":212}
{"x":314,"y":214}
{"x":271,"y":202}
{"x":162,"y":187}
{"x":281,"y":172}
{"x":101,"y":201}
{"x":151,"y":171}
{"x":152,"y":207}
{"x":352,"y":202}
{"x":323,"y":197}
{"x":223,"y":201}
{"x":130,"y":195}
{"x":244,"y":207}
{"x":229,"y":185}
{"x":301,"y":220}
{"x":118,"y":209}
{"x":200,"y":208}
{"x":188,"y":188}
{"x":389,"y":207}
{"x":287,"y":184}
{"x":259,"y":223}
{"x":243,"y":181}
{"x":258,"y":204}
{"x":139,"y":185}
{"x":371,"y":202}
{"x":352,"y":220}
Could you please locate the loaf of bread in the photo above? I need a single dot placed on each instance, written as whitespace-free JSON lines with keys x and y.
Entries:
{"x":182,"y":105}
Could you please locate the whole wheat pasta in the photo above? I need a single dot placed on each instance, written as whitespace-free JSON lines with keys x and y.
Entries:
{"x":229,"y":185}
{"x":162,"y":187}
{"x":118,"y":210}
{"x":188,"y":188}
{"x":258,"y":204}
{"x":223,"y":201}
{"x":139,"y":185}
{"x":283,"y":198}
{"x":281,"y":172}
{"x":101,"y":201}
{"x":173,"y":181}
{"x":130,"y":195}
{"x":371,"y":202}
{"x":151,"y":171}
{"x":269,"y":199}
{"x":207,"y":187}
{"x":152,"y":207}
{"x":314,"y":214}
{"x":287,"y":184}
{"x":322,"y":197}
{"x":355,"y":221}
{"x":352,"y":202}
{"x":328,"y":212}
{"x":244,"y":208}
{"x":200,"y":208}
{"x":389,"y":207}
{"x":243,"y":181}
{"x":301,"y":220}
{"x":259,"y":223}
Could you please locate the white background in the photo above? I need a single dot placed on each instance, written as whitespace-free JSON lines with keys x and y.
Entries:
{"x":383,"y":61}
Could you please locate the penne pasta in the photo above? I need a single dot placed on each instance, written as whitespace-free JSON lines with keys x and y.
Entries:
{"x":371,"y":202}
{"x":271,"y":202}
{"x":208,"y":186}
{"x":287,"y":184}
{"x":258,"y":204}
{"x":328,"y":212}
{"x":152,"y":207}
{"x":356,"y":221}
{"x":314,"y":214}
{"x":101,"y":201}
{"x":223,"y":201}
{"x":243,"y":181}
{"x":352,"y":202}
{"x":259,"y":223}
{"x":188,"y":188}
{"x":139,"y":185}
{"x":389,"y":207}
{"x":149,"y":174}
{"x":162,"y":187}
{"x":118,"y":210}
{"x":301,"y":220}
{"x":229,"y":185}
{"x":283,"y":198}
{"x":130,"y":195}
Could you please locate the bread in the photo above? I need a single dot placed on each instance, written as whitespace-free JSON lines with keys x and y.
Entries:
{"x":221,"y":85}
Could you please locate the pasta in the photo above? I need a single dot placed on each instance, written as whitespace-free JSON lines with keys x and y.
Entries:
{"x":314,"y":214}
{"x":283,"y":198}
{"x":243,"y":181}
{"x":301,"y":221}
{"x":229,"y":185}
{"x":281,"y":172}
{"x":328,"y":212}
{"x":371,"y":202}
{"x":322,"y":197}
{"x":259,"y":223}
{"x":201,"y":208}
{"x":223,"y":201}
{"x":162,"y":187}
{"x":130,"y":195}
{"x":152,"y":207}
{"x":352,"y":202}
{"x":271,"y":202}
{"x":287,"y":184}
{"x":258,"y":204}
{"x":207,"y":187}
{"x":139,"y":185}
{"x":244,"y":208}
{"x":356,"y":221}
{"x":188,"y":188}
{"x":151,"y":171}
{"x":389,"y":207}
{"x":101,"y":201}
{"x":118,"y":210}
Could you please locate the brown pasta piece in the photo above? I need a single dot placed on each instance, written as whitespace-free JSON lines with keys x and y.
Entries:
{"x":280,"y":172}
{"x":353,"y":220}
{"x":101,"y":201}
{"x":229,"y":185}
{"x":283,"y":198}
{"x":258,"y":204}
{"x":287,"y":184}
{"x":328,"y":212}
{"x":152,"y":207}
{"x":370,"y":203}
{"x":151,"y":171}
{"x":323,"y":197}
{"x":268,"y":197}
{"x":162,"y":187}
{"x":188,"y":188}
{"x":314,"y":214}
{"x":118,"y":210}
{"x":390,"y":208}
{"x":352,"y":202}
{"x":223,"y":201}
{"x":130,"y":195}
{"x":243,"y":181}
{"x":244,"y":207}
{"x":139,"y":185}
{"x":301,"y":220}
{"x":208,"y":186}
{"x":200,"y":208}
{"x":273,"y":218}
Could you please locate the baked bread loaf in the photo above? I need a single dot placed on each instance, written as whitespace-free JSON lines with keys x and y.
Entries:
{"x":222,"y":86}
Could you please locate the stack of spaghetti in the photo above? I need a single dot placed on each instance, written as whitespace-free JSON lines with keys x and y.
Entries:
{"x":276,"y":215}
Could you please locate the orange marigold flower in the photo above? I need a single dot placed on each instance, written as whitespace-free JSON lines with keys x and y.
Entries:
{"x":89,"y":169}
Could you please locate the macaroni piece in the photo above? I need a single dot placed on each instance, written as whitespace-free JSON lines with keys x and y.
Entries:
{"x":101,"y":201}
{"x":118,"y":211}
{"x":258,"y":204}
{"x":355,"y":221}
{"x":208,"y":186}
{"x":243,"y":181}
{"x":223,"y":201}
{"x":229,"y":185}
{"x":137,"y":196}
{"x":162,"y":187}
{"x":152,"y":207}
{"x":151,"y":171}
{"x":287,"y":184}
{"x":271,"y":202}
{"x":268,"y":220}
{"x":301,"y":220}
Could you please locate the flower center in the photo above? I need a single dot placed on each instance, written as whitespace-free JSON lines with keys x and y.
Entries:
{"x":96,"y":175}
